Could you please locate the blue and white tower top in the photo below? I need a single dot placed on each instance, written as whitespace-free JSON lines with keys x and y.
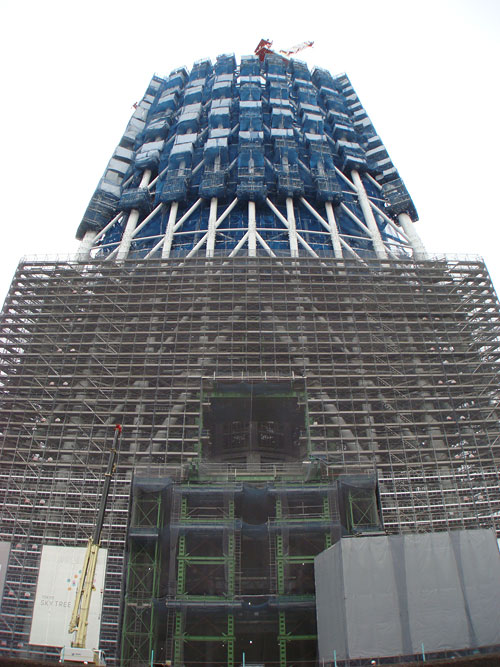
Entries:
{"x":257,"y":159}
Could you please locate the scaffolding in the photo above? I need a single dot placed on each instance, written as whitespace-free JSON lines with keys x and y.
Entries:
{"x":387,"y":371}
{"x":252,"y":302}
{"x":234,"y":561}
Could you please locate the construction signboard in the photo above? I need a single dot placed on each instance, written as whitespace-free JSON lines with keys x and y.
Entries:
{"x":60,"y":570}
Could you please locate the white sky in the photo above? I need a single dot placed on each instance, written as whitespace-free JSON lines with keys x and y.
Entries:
{"x":427,"y":72}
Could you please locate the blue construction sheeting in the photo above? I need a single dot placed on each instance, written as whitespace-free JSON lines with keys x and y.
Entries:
{"x":270,"y":129}
{"x":174,"y":187}
{"x":219,"y":116}
{"x":157,"y":127}
{"x":201,"y":69}
{"x":282,"y":117}
{"x":167,"y":101}
{"x":250,"y":92}
{"x":213,"y":183}
{"x":300,"y":70}
{"x":183,"y":148}
{"x":288,"y":181}
{"x":322,"y":77}
{"x":148,"y":157}
{"x":189,"y":121}
{"x":251,"y":183}
{"x":324,"y":176}
{"x":397,"y":199}
{"x":225,"y":64}
{"x":100,"y":210}
{"x":278,"y":89}
{"x":312,"y":122}
{"x":222,"y":87}
{"x":251,"y":121}
{"x":250,"y":66}
{"x":177,"y":79}
{"x":138,"y":198}
{"x":194,"y":95}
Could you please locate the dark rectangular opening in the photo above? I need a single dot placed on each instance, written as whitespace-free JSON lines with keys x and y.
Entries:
{"x":253,"y":422}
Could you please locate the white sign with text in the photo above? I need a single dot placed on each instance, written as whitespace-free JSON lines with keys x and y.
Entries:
{"x":60,"y":571}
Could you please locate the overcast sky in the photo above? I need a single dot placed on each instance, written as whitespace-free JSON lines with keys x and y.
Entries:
{"x":426,"y":71}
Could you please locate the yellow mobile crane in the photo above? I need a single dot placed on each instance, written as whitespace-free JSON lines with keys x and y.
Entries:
{"x":77,"y":653}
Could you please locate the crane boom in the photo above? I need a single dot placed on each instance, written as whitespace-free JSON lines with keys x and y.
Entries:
{"x":296,"y":49}
{"x":264,"y":47}
{"x":81,"y":608}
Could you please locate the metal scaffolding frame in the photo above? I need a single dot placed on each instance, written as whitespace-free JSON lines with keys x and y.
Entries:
{"x":395,"y":363}
{"x":219,"y":572}
{"x":289,"y":366}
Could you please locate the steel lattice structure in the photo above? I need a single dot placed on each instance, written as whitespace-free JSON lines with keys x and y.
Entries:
{"x":282,"y":378}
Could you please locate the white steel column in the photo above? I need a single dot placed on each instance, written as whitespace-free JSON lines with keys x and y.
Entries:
{"x":147,"y":219}
{"x":133,"y":217}
{"x":239,"y":245}
{"x":371,"y":223}
{"x":390,"y":222}
{"x":252,"y":229}
{"x":85,"y":246}
{"x":137,"y":229}
{"x":178,"y":224}
{"x":419,"y":250}
{"x":330,"y":226}
{"x":362,"y":226}
{"x":265,"y":245}
{"x":334,"y":232}
{"x":212,"y":218}
{"x":108,"y":226}
{"x":292,"y":228}
{"x":169,"y":232}
{"x":287,"y":224}
{"x":219,"y":221}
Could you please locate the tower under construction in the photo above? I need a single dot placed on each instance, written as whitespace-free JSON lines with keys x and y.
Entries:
{"x":293,"y":373}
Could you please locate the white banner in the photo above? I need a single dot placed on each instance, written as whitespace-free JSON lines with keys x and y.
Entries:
{"x":60,"y":569}
{"x":4,"y":561}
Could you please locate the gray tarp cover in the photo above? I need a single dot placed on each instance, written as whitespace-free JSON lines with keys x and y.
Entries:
{"x":387,"y":595}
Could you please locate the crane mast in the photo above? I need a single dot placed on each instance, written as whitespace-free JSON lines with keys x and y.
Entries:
{"x":80,"y":615}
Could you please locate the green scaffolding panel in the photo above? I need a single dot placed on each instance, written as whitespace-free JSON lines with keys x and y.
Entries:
{"x":362,"y":513}
{"x":143,"y":574}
